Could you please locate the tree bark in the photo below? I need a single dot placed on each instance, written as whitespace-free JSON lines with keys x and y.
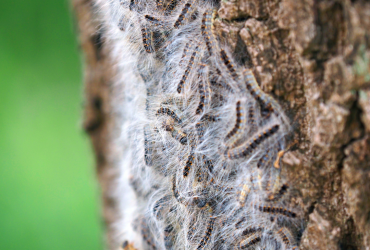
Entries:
{"x":98,"y":120}
{"x":314,"y":58}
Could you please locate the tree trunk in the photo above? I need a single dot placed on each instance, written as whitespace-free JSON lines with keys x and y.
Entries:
{"x":313,"y":57}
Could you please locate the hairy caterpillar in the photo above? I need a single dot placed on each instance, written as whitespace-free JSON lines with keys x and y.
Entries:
{"x":246,"y":149}
{"x":286,"y":238}
{"x":186,"y":51}
{"x":188,"y":69}
{"x":184,"y":15}
{"x":277,"y":211}
{"x":251,"y":230}
{"x":244,"y":193}
{"x":229,"y":65}
{"x":168,"y":236}
{"x":204,"y":92}
{"x":207,"y":30}
{"x":188,"y":164}
{"x":178,"y":135}
{"x":239,"y":123}
{"x":170,"y":113}
{"x":147,"y":37}
{"x":250,"y":241}
{"x":251,"y":119}
{"x":154,"y":21}
{"x":208,"y":234}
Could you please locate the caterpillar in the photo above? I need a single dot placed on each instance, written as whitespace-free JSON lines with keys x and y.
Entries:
{"x":205,"y":95}
{"x":170,"y":7}
{"x":217,"y":80}
{"x":208,"y":234}
{"x":208,"y":163}
{"x":246,"y":149}
{"x":251,"y":230}
{"x":169,"y":112}
{"x":133,"y":5}
{"x":159,"y":4}
{"x":120,"y":23}
{"x":211,"y":118}
{"x":187,"y":48}
{"x":276,"y":210}
{"x":251,"y":119}
{"x":229,"y":65}
{"x":168,"y":236}
{"x":183,"y":15}
{"x":177,"y":134}
{"x":191,"y":229}
{"x":267,"y":102}
{"x":264,"y":160}
{"x":207,"y":30}
{"x":239,"y":123}
{"x":286,"y":238}
{"x":250,"y":241}
{"x":188,"y":165}
{"x":147,"y":37}
{"x":200,"y":176}
{"x":244,"y":193}
{"x":200,"y":128}
{"x":188,"y":70}
{"x":155,"y":21}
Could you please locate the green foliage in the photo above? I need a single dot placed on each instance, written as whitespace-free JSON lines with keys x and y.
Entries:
{"x":48,"y":192}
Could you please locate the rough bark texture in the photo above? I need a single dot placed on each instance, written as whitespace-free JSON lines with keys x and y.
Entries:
{"x":314,"y":57}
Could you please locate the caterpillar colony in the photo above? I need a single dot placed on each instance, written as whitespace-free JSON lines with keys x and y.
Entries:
{"x":201,"y":139}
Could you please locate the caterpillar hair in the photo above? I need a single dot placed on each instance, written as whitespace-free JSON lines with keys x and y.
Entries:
{"x":159,"y":206}
{"x":188,"y":70}
{"x":184,"y":15}
{"x":168,"y":236}
{"x":204,"y":92}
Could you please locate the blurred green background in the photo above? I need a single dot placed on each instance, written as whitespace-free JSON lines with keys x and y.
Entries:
{"x":48,"y":193}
